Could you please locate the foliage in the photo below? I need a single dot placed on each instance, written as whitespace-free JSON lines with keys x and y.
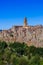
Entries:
{"x":20,"y":54}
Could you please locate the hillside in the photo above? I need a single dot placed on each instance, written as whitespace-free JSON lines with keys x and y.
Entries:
{"x":31,"y":35}
{"x":20,"y":54}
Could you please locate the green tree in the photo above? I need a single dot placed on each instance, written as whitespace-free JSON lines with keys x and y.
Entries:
{"x":23,"y":61}
{"x":35,"y":60}
{"x":41,"y":61}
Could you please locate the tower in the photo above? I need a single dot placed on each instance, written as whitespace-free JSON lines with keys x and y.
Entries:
{"x":25,"y":21}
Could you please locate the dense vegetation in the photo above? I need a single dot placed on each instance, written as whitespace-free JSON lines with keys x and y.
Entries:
{"x":20,"y":54}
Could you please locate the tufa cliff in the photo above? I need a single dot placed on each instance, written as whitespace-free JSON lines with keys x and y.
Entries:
{"x":31,"y":35}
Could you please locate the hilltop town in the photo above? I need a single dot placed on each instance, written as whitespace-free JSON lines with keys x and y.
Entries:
{"x":31,"y":35}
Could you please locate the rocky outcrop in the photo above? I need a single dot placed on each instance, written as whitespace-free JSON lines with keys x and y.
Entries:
{"x":31,"y":35}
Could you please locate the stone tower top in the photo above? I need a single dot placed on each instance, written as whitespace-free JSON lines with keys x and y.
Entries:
{"x":25,"y":21}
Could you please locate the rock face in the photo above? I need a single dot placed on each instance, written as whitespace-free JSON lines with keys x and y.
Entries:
{"x":31,"y":35}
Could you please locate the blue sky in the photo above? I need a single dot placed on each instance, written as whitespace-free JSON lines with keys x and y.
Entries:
{"x":12,"y":12}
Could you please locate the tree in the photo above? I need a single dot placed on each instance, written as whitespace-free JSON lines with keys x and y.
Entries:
{"x":23,"y":61}
{"x":41,"y":61}
{"x":14,"y":59}
{"x":35,"y":60}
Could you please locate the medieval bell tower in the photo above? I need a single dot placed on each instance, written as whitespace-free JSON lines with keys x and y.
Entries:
{"x":25,"y":21}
